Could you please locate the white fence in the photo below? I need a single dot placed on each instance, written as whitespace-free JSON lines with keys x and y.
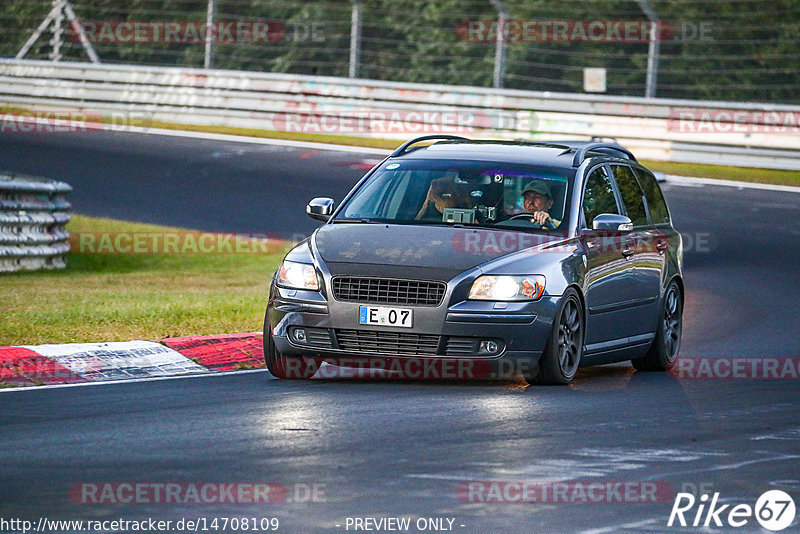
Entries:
{"x":741,"y":134}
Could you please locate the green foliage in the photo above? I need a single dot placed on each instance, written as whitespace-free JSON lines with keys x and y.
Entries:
{"x":748,"y":50}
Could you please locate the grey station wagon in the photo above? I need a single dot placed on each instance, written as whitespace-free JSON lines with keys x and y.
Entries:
{"x":458,"y":258}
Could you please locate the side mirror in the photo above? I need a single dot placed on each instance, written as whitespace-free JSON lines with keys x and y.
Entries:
{"x":612,"y":222}
{"x":320,"y":208}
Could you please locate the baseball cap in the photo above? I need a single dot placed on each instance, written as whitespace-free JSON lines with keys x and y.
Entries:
{"x":538,"y":186}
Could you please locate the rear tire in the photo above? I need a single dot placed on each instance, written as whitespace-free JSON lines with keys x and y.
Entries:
{"x":664,"y":351}
{"x":562,"y":354}
{"x":286,"y":367}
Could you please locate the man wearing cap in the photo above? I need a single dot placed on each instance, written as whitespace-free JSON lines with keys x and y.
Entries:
{"x":537,"y":200}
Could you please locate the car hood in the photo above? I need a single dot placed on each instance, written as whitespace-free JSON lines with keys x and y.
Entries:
{"x":435,"y":247}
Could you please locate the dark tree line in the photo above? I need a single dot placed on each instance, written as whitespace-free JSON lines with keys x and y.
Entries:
{"x":734,"y":50}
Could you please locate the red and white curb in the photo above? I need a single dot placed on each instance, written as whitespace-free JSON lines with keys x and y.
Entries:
{"x":38,"y":365}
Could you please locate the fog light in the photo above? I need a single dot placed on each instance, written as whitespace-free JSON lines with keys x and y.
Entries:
{"x":489,"y":346}
{"x":299,"y":335}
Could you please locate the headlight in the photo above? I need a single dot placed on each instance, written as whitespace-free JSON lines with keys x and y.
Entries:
{"x":488,"y":287}
{"x":297,"y":276}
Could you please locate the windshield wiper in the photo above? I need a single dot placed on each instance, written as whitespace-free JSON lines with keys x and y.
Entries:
{"x":362,"y":220}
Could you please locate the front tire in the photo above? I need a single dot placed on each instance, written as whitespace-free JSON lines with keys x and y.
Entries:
{"x":564,"y":349}
{"x":664,"y":351}
{"x":286,"y":367}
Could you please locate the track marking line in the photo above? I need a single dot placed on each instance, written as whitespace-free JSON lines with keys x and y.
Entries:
{"x":727,"y":467}
{"x":251,"y":140}
{"x":616,"y":528}
{"x":691,"y":181}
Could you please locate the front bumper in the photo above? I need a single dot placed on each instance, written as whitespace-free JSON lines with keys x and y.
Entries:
{"x":445,"y":333}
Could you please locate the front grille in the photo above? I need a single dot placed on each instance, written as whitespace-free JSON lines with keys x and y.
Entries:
{"x":388,"y":291}
{"x":387,"y":342}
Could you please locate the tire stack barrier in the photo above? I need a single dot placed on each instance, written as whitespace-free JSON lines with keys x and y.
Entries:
{"x":33,"y":218}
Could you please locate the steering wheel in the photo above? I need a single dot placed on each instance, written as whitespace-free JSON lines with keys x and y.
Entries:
{"x":521,"y":216}
{"x":548,"y":223}
{"x":525,"y":216}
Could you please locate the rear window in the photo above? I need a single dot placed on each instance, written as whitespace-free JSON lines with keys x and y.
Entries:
{"x":655,"y":199}
{"x":631,"y":194}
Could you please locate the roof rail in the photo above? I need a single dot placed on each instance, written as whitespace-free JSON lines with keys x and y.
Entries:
{"x":609,"y":148}
{"x":548,"y":144}
{"x":402,"y":148}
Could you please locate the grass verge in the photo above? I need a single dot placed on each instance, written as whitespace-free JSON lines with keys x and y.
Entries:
{"x":121,"y":297}
{"x":723,"y":172}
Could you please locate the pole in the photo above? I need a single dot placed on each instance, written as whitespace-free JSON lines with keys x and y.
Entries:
{"x":500,"y":44}
{"x":76,"y":25}
{"x":355,"y":39}
{"x":652,"y":49}
{"x":56,"y":17}
{"x":58,"y":30}
{"x":211,"y":14}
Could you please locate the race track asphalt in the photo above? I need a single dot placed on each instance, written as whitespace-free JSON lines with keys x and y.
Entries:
{"x":386,"y":449}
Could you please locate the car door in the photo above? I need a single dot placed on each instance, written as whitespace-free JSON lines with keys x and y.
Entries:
{"x":609,"y":279}
{"x":647,"y":264}
{"x":660,"y":236}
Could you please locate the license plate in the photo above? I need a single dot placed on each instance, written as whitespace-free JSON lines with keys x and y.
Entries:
{"x":382,"y":316}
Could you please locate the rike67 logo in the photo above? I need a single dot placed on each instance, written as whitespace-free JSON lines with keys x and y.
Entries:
{"x":774,"y":510}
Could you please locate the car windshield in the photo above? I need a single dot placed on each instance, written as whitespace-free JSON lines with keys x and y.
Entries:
{"x":496,"y":194}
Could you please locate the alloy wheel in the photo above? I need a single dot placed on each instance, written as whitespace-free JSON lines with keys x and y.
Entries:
{"x":672,"y":322}
{"x":569,"y":338}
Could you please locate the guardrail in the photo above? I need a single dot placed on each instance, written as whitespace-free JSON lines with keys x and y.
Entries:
{"x":741,"y":134}
{"x":33,"y":217}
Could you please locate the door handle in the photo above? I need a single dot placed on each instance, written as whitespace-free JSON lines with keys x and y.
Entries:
{"x":661,"y":246}
{"x":627,"y":252}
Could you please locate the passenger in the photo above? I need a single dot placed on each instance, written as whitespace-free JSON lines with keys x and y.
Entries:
{"x":443,"y":193}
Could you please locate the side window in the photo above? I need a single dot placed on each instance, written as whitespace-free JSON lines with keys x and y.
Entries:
{"x":631,"y":194}
{"x":655,"y":199}
{"x":598,"y":196}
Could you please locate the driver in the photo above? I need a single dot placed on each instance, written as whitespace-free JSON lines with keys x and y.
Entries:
{"x":538,"y":200}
